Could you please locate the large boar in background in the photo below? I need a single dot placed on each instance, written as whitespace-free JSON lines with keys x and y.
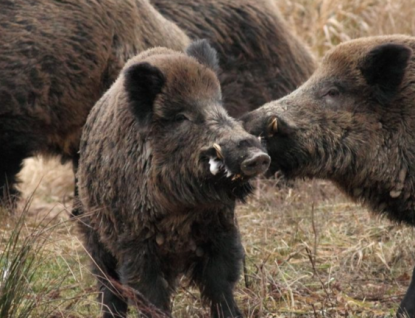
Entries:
{"x":56,"y":60}
{"x":261,"y":59}
{"x":162,"y":166}
{"x":352,"y":122}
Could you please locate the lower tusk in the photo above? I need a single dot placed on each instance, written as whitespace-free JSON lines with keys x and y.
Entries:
{"x":236,"y":177}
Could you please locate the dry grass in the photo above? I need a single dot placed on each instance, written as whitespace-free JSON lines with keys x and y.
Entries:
{"x":325,"y":23}
{"x":51,"y":181}
{"x":310,"y":251}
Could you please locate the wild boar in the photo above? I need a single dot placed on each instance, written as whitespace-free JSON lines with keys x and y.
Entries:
{"x":57,"y":58}
{"x":352,"y":122}
{"x":161,"y":168}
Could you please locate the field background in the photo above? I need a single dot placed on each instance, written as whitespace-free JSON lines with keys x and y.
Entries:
{"x":310,"y":251}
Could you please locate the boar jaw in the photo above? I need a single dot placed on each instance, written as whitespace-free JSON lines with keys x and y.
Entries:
{"x":216,"y":165}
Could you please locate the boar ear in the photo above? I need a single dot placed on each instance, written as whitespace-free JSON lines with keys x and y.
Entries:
{"x":384,"y":68}
{"x":143,"y":82}
{"x":204,"y":54}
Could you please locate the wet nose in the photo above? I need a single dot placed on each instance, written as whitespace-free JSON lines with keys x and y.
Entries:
{"x":256,"y":164}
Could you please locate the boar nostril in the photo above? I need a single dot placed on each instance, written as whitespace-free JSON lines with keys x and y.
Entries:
{"x":256,"y":164}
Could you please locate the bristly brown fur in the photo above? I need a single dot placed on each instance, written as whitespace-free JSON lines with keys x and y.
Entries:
{"x":56,"y":60}
{"x":153,"y":210}
{"x":353,"y":122}
{"x":261,"y":58}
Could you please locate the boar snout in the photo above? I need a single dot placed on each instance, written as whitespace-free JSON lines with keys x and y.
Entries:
{"x":237,"y":158}
{"x":258,"y":163}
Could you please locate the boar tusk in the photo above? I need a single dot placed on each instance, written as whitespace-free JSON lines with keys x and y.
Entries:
{"x":236,"y":177}
{"x":273,"y":126}
{"x":218,"y":151}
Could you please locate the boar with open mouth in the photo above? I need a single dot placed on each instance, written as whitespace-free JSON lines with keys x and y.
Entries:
{"x":161,"y":168}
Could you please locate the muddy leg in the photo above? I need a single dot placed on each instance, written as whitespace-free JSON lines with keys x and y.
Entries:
{"x":114,"y":305}
{"x":142,"y":270}
{"x":218,"y":272}
{"x":105,"y":270}
{"x":76,"y":203}
{"x":16,"y":144}
{"x":10,"y":166}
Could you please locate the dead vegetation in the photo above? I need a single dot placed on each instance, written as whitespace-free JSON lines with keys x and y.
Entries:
{"x":325,"y":23}
{"x":310,"y":251}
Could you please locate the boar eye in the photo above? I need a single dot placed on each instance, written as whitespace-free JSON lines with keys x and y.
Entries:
{"x":332,"y":92}
{"x":180,"y":118}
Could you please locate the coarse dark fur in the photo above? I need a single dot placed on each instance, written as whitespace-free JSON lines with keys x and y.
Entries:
{"x":262,"y":59}
{"x":353,"y":122}
{"x":153,"y":210}
{"x":57,"y":58}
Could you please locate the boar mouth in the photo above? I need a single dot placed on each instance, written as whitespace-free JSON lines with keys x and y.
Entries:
{"x":218,"y":167}
{"x":217,"y":163}
{"x":283,"y":168}
{"x":237,"y":184}
{"x":251,"y":163}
